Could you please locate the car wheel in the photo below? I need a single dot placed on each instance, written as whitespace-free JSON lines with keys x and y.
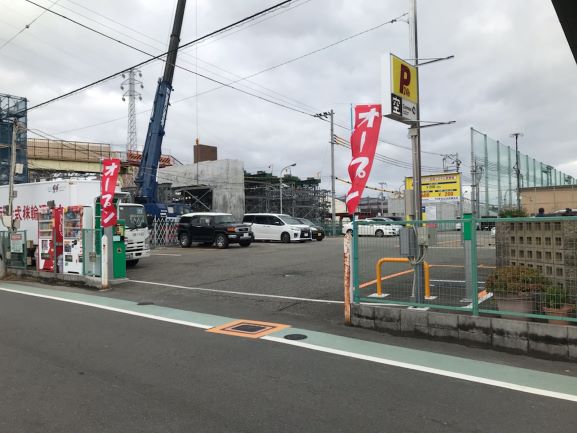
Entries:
{"x":131,"y":263}
{"x":320,"y":238}
{"x":379,"y":233}
{"x":285,"y":237}
{"x":245,"y":244}
{"x":184,"y":240}
{"x":221,"y":241}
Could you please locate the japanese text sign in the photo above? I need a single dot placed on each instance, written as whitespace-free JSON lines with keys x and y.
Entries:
{"x":363,"y":146}
{"x":110,"y":170}
{"x":400,"y":89}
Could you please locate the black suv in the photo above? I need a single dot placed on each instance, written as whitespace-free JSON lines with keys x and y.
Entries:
{"x":210,"y":228}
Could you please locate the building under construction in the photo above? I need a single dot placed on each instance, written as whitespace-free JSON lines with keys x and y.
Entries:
{"x":300,"y":198}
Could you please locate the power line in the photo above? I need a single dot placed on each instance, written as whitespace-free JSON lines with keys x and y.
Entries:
{"x":258,"y":73}
{"x":27,"y":26}
{"x":213,"y":33}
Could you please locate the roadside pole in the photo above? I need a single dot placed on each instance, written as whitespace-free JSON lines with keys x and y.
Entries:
{"x":105,"y":285}
{"x":415,"y":135}
{"x":333,"y":216}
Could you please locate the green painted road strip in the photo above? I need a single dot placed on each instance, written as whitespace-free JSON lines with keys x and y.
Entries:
{"x":518,"y":379}
{"x":165,"y":314}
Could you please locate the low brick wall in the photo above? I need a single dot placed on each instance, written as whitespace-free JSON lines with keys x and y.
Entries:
{"x":542,"y":339}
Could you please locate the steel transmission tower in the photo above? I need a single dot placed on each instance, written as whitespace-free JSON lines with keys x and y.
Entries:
{"x":131,"y":93}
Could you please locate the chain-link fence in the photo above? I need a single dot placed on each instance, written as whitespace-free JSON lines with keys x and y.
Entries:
{"x":163,"y":233}
{"x":519,"y":267}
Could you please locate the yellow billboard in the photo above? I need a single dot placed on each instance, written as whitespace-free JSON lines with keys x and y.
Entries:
{"x":404,"y":80}
{"x":444,"y":187}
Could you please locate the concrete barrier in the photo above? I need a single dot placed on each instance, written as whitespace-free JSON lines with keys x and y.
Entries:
{"x":532,"y":338}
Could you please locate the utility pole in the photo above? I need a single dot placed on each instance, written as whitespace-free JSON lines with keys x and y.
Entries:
{"x":11,"y":229}
{"x":382,"y":197}
{"x":331,"y":115}
{"x":517,"y":167}
{"x":280,"y":184}
{"x":415,"y":135}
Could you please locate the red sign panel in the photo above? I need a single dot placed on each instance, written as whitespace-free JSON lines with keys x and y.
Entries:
{"x":363,"y":146}
{"x":110,"y":170}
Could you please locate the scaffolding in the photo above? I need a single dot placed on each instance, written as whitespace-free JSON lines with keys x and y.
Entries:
{"x":302,"y":198}
{"x":13,"y":109}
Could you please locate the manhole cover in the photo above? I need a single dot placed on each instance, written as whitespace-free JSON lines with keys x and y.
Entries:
{"x":248,"y":328}
{"x":295,"y":337}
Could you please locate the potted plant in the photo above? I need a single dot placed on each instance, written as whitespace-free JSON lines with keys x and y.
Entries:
{"x":557,"y":302}
{"x":514,"y":288}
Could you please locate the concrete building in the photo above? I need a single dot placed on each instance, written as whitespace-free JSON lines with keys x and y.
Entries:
{"x":216,"y":186}
{"x":550,"y":198}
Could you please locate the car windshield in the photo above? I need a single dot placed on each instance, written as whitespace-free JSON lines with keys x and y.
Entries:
{"x":134,"y":217}
{"x":290,"y":220}
{"x":224,"y":219}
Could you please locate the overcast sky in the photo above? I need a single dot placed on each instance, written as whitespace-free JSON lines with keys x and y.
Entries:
{"x":513,"y":71}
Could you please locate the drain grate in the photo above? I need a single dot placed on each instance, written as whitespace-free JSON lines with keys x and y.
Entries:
{"x":247,"y":328}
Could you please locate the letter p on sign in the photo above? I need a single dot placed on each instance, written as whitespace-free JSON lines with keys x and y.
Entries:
{"x":404,"y":80}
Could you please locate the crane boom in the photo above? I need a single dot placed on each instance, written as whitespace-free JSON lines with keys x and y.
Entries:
{"x":146,"y":182}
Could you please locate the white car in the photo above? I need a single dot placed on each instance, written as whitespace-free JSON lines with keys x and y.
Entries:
{"x":369,"y":227}
{"x":493,"y":231}
{"x":277,"y":227}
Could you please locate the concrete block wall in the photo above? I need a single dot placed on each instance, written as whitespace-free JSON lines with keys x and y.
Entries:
{"x":548,"y":246}
{"x":541,"y":339}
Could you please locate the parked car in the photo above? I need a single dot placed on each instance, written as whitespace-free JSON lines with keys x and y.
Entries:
{"x":317,"y":232}
{"x":277,"y":227}
{"x":369,"y":227}
{"x":397,"y":227}
{"x":220,"y":229}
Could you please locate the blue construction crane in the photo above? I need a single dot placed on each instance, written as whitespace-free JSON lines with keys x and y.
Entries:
{"x":146,"y":182}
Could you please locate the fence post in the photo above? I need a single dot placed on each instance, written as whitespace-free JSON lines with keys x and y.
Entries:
{"x":474,"y":267}
{"x":355,"y":269}
{"x":467,"y":228}
{"x":347,"y":277}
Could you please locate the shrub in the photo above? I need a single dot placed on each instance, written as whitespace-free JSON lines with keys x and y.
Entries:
{"x":513,"y":280}
{"x":556,"y":297}
{"x":512,"y":213}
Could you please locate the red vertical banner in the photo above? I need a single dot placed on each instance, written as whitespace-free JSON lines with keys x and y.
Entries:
{"x":110,"y":170}
{"x":363,"y":146}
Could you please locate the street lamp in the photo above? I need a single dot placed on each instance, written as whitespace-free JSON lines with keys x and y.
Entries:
{"x":517,"y":167}
{"x":280,"y":183}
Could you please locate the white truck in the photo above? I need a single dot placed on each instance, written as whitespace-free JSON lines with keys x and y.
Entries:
{"x":30,"y":197}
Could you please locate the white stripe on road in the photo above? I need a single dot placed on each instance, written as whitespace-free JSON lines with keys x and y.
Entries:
{"x":384,"y":360}
{"x":431,"y":370}
{"x":106,"y":307}
{"x":165,"y":254}
{"x":231,"y":292}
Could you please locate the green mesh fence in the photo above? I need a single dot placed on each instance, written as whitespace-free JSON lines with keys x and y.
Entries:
{"x":516,"y":268}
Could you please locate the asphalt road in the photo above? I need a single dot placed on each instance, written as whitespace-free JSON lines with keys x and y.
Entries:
{"x":73,"y":368}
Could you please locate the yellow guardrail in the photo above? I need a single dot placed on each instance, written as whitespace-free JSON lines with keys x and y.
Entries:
{"x":380,"y":262}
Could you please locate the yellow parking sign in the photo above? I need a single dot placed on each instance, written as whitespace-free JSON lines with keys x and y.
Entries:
{"x":404,"y":77}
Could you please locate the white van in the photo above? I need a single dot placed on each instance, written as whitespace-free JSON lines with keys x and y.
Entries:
{"x":277,"y":227}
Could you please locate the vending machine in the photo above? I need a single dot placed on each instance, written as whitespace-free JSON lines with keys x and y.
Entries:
{"x":49,"y":238}
{"x":74,"y":219}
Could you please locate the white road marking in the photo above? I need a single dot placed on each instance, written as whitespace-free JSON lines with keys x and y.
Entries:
{"x":431,"y":370}
{"x":231,"y":292}
{"x":165,"y":254}
{"x":345,"y":353}
{"x":105,"y":307}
